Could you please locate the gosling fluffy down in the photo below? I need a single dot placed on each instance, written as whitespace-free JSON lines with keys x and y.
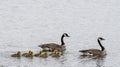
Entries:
{"x":55,"y":53}
{"x":18,"y":54}
{"x":29,"y":54}
{"x":43,"y":54}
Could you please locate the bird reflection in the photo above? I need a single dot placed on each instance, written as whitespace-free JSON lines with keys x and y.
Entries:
{"x":98,"y":61}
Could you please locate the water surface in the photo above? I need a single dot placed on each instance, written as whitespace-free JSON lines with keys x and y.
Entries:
{"x":24,"y":24}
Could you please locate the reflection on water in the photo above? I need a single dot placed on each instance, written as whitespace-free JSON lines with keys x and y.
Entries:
{"x":98,"y":61}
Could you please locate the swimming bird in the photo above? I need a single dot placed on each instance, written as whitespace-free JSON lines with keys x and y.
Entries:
{"x":18,"y":54}
{"x":29,"y":54}
{"x":95,"y":52}
{"x":43,"y":54}
{"x":55,"y":53}
{"x":53,"y":46}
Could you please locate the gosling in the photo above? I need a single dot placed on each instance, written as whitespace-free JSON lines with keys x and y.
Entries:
{"x":29,"y":54}
{"x":55,"y":53}
{"x":43,"y":54}
{"x":18,"y":54}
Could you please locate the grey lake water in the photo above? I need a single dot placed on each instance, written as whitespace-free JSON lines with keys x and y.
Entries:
{"x":25,"y":24}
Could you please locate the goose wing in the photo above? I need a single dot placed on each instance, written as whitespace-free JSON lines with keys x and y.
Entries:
{"x":91,"y":51}
{"x":49,"y":45}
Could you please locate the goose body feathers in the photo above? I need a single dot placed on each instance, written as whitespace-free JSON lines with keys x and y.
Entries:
{"x":53,"y":46}
{"x":95,"y":52}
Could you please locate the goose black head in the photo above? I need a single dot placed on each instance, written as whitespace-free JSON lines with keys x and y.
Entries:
{"x":65,"y":35}
{"x":100,"y":38}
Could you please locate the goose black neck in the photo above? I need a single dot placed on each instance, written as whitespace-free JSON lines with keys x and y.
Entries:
{"x":102,"y":48}
{"x":62,"y":42}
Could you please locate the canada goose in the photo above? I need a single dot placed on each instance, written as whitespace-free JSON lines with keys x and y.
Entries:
{"x":43,"y":54}
{"x":16,"y":54}
{"x":95,"y":52}
{"x":29,"y":54}
{"x":55,"y":53}
{"x":53,"y":46}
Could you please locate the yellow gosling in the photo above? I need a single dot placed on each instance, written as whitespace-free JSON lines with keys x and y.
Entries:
{"x":29,"y":54}
{"x":18,"y":54}
{"x":43,"y":54}
{"x":55,"y":53}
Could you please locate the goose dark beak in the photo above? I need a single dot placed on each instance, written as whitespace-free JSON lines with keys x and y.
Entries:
{"x":103,"y":39}
{"x":68,"y":36}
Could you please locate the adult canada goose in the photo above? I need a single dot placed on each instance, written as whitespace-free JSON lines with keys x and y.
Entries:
{"x":95,"y":52}
{"x":29,"y":54}
{"x":53,"y":46}
{"x":16,"y":54}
